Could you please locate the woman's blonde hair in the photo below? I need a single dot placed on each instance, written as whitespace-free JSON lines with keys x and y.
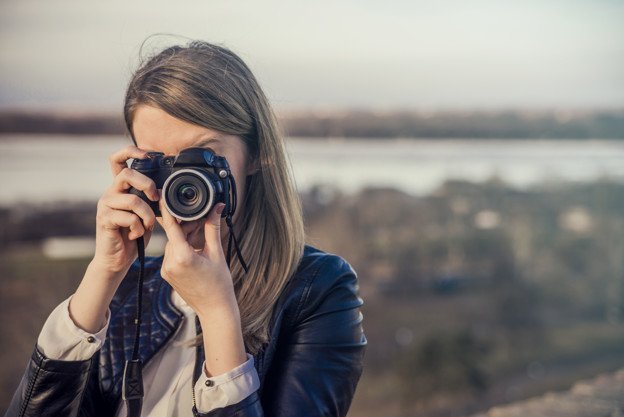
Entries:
{"x":210,"y":86}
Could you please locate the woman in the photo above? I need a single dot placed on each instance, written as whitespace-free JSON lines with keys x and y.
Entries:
{"x":282,"y":339}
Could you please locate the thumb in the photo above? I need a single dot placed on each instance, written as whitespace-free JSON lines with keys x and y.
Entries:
{"x":212,"y":229}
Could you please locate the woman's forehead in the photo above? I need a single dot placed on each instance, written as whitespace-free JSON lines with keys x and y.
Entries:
{"x":156,"y":130}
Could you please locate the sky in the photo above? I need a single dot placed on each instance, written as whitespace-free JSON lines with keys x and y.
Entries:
{"x":437,"y":54}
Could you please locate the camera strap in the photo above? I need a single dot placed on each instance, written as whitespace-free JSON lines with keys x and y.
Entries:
{"x":232,"y":238}
{"x":228,"y":221}
{"x":132,"y":383}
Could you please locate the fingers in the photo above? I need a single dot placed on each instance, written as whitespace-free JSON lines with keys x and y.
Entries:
{"x":212,"y":229}
{"x":172,"y":228}
{"x":128,"y":177}
{"x":115,"y":219}
{"x":118,"y":159}
{"x":132,"y":203}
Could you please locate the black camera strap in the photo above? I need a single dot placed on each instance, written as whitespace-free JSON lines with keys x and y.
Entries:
{"x":228,"y":221}
{"x":132,"y":384}
{"x":232,"y":238}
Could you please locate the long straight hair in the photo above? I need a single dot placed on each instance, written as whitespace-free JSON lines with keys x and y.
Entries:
{"x":209,"y":85}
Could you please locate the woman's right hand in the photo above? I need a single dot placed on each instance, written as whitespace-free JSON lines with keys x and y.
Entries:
{"x":123,"y":217}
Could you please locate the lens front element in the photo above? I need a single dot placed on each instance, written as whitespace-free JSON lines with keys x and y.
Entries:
{"x":189,"y":194}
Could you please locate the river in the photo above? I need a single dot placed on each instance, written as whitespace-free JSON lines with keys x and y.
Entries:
{"x":41,"y":168}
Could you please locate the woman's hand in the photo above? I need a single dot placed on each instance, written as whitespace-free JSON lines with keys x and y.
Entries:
{"x":122,"y":217}
{"x":201,"y":276}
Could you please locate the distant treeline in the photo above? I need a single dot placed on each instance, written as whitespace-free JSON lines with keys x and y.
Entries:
{"x":604,"y":124}
{"x":61,"y":123}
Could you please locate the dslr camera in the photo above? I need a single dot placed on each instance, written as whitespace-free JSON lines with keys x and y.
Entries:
{"x":191,"y":182}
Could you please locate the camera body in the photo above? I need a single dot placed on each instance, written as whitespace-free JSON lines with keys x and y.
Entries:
{"x":191,"y":182}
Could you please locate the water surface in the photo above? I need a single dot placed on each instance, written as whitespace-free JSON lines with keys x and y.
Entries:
{"x":40,"y":168}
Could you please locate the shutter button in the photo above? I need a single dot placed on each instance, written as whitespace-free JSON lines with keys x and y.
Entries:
{"x":90,"y":339}
{"x":209,"y":383}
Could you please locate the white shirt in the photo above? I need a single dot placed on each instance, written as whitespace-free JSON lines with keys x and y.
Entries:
{"x":167,"y":376}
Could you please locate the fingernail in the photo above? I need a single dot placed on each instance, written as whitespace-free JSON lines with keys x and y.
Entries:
{"x":220,"y":208}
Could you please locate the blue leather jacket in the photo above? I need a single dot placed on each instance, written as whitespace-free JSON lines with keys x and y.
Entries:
{"x":309,"y":367}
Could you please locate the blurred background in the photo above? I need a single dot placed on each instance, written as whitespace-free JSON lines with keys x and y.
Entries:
{"x":467,"y":158}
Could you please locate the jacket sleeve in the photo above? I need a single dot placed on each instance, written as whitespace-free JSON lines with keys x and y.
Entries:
{"x":318,"y":363}
{"x":51,"y":387}
{"x":227,"y":388}
{"x":61,"y":339}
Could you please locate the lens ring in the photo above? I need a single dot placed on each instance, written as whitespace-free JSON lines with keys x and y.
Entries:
{"x":202,"y":180}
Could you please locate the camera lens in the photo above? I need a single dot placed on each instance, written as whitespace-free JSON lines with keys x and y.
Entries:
{"x":189,"y":194}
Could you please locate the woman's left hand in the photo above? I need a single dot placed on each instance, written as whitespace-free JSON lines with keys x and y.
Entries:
{"x":200,"y":276}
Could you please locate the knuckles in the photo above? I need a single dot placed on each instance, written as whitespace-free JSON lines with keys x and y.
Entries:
{"x":183,"y":259}
{"x":175,"y":263}
{"x":137,"y":180}
{"x":102,"y":213}
{"x":134,"y":202}
{"x":135,"y":223}
{"x":126,"y":172}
